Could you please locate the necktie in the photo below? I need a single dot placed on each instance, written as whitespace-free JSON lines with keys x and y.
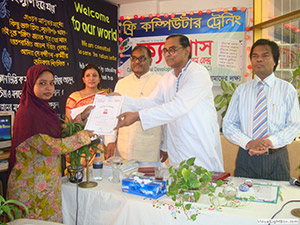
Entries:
{"x":260,"y":127}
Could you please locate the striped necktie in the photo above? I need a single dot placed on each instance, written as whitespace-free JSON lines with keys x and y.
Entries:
{"x":260,"y":126}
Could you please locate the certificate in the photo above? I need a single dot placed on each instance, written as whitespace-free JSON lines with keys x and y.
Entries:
{"x":103,"y":118}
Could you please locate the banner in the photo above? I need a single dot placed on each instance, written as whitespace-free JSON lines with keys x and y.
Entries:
{"x":61,"y":34}
{"x":217,"y":42}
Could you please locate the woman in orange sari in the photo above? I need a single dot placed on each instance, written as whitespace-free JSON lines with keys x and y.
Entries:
{"x":91,"y":80}
{"x":91,"y":77}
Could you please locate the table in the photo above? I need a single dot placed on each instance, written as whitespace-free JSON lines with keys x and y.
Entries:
{"x":106,"y":204}
{"x":32,"y":222}
{"x":3,"y":171}
{"x":4,"y":166}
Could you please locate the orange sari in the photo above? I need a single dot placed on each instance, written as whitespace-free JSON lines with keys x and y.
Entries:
{"x":75,"y":100}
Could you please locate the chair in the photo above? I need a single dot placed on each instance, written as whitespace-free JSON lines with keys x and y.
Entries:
{"x":229,"y":155}
{"x":294,"y":155}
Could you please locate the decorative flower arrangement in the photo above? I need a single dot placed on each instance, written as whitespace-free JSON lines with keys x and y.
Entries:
{"x":189,"y":181}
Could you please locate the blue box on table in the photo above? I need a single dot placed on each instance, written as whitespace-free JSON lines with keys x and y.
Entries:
{"x":146,"y":187}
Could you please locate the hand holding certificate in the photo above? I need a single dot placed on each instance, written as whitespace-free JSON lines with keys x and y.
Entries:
{"x":76,"y":111}
{"x":103,"y":118}
{"x":127,"y":118}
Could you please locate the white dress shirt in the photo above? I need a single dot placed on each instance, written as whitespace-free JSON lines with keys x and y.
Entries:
{"x":283,"y":112}
{"x":185,"y":104}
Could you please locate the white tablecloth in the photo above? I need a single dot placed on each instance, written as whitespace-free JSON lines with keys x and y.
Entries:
{"x":32,"y":222}
{"x":106,"y":204}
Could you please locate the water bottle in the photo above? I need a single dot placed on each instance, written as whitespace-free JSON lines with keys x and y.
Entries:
{"x":97,"y":167}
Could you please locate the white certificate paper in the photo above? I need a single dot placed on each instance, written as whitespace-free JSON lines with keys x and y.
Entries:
{"x":103,"y":118}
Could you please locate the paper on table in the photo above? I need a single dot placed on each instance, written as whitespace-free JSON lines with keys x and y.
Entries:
{"x":103,"y":118}
{"x":78,"y":110}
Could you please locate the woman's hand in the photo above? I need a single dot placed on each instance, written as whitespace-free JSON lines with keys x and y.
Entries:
{"x":90,"y":133}
{"x":85,"y":114}
{"x":82,"y":117}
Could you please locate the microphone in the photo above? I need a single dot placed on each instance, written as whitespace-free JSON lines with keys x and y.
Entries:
{"x":101,"y":139}
{"x":97,"y":140}
{"x":294,"y":181}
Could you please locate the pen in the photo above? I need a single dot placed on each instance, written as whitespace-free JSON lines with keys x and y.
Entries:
{"x":280,"y":195}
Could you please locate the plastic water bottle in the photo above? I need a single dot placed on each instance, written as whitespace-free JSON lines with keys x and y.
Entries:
{"x":97,"y":167}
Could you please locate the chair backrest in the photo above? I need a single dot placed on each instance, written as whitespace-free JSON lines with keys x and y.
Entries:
{"x":229,"y":155}
{"x":294,"y":155}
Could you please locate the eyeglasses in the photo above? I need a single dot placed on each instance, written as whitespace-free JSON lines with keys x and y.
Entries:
{"x":171,"y":50}
{"x":140,"y":59}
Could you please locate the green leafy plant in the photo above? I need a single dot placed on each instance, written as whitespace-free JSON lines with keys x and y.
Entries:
{"x":189,"y":177}
{"x":296,"y":73}
{"x":70,"y":128}
{"x":10,"y":209}
{"x":223,"y":100}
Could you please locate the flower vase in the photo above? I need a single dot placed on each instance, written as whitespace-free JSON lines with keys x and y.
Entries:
{"x":88,"y":183}
{"x":75,"y":175}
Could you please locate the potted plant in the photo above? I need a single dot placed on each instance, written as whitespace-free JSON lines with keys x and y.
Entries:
{"x":189,"y":181}
{"x":223,"y":100}
{"x":75,"y":169}
{"x":296,"y":73}
{"x":9,"y":209}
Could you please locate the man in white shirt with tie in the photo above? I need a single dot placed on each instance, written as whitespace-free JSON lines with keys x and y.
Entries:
{"x":183,"y":102}
{"x":263,"y":117}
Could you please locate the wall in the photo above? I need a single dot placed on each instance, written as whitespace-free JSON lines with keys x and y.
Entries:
{"x":176,"y":6}
{"x":63,"y":35}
